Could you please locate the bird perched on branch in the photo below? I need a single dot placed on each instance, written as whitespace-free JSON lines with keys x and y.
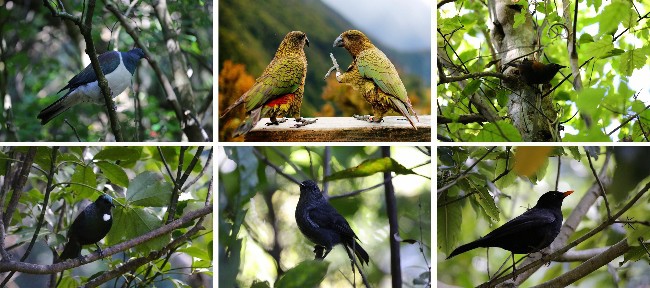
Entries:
{"x":374,"y":76}
{"x":90,"y":226}
{"x":278,"y":92}
{"x":118,"y":68}
{"x":534,"y":72}
{"x":323,"y":225}
{"x":529,"y":232}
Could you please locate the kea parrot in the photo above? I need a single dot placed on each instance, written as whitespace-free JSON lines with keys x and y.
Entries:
{"x":279,"y":90}
{"x":374,"y":76}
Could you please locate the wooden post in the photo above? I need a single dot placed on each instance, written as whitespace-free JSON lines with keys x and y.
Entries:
{"x":343,"y":129}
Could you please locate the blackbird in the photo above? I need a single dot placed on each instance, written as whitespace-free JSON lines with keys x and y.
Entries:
{"x":534,"y":72}
{"x":527,"y":233}
{"x":323,"y":225}
{"x":90,"y":226}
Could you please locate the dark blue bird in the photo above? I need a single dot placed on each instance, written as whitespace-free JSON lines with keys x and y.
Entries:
{"x":323,"y":225}
{"x":92,"y":225}
{"x":118,"y":67}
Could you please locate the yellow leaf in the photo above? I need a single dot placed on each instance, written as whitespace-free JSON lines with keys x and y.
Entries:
{"x":529,"y":159}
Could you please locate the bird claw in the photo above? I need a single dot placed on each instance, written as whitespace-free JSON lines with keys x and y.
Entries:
{"x":303,"y":122}
{"x":99,"y":250}
{"x":276,"y":122}
{"x":368,"y":118}
{"x":318,"y":251}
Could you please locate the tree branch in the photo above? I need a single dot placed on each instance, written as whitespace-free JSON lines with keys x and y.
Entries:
{"x":447,"y":79}
{"x":133,"y":264}
{"x":191,"y":128}
{"x":463,"y":119}
{"x":589,"y":266}
{"x":86,"y":31}
{"x":391,"y":212}
{"x":538,"y":263}
{"x":71,"y":263}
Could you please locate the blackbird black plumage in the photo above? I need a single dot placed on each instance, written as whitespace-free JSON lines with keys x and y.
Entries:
{"x":90,"y":226}
{"x":322,"y":224}
{"x":535,"y":72}
{"x":529,"y":232}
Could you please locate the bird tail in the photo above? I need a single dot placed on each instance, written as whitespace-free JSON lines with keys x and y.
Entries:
{"x":404,"y":110}
{"x":465,"y":248}
{"x":59,"y":106}
{"x":362,"y":255}
{"x":248,"y":123}
{"x":71,"y":250}
{"x":233,"y":105}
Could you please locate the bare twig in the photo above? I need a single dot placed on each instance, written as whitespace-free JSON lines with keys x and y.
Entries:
{"x":275,"y":167}
{"x":600,"y":184}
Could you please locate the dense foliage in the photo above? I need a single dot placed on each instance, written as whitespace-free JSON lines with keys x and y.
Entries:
{"x":147,"y":184}
{"x":611,"y":46}
{"x":259,"y":240}
{"x":481,"y":188}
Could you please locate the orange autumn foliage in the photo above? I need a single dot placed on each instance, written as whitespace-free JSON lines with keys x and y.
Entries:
{"x":233,"y":82}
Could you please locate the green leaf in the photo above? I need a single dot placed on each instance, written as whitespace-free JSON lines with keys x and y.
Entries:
{"x":196,"y":252}
{"x":640,"y":231}
{"x":599,"y":48}
{"x":471,"y":87}
{"x":449,"y":220}
{"x":585,"y":38}
{"x":616,"y":13}
{"x":520,"y":18}
{"x":589,"y":99}
{"x":499,"y":168}
{"x":500,"y":131}
{"x":307,"y":274}
{"x":129,"y":223}
{"x":631,"y":60}
{"x":502,"y":97}
{"x":112,"y":153}
{"x":575,"y":152}
{"x":592,"y":135}
{"x":634,"y":254}
{"x":487,"y":203}
{"x":114,"y":173}
{"x":84,"y":174}
{"x":370,"y":167}
{"x":150,"y":190}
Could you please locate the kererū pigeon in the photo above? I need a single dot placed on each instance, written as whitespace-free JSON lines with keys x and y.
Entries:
{"x":118,"y":67}
{"x":90,"y":226}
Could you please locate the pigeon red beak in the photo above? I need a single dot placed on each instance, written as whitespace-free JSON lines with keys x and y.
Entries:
{"x":567,"y":193}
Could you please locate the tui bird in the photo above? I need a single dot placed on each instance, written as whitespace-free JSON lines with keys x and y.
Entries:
{"x":527,"y":233}
{"x":90,"y":226}
{"x":534,"y":72}
{"x":118,"y":67}
{"x":323,"y":225}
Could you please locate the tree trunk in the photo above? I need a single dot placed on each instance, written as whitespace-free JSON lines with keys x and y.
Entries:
{"x":533,"y":115}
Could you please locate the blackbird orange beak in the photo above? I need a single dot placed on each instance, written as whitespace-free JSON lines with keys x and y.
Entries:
{"x":567,"y":193}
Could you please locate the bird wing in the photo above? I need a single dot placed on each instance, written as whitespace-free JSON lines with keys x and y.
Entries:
{"x":373,"y":64}
{"x":108,"y":62}
{"x":530,"y":220}
{"x":77,"y":224}
{"x":327,"y":217}
{"x":284,"y":75}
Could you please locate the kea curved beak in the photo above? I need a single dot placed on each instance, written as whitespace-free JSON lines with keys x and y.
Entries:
{"x":338,"y":42}
{"x":306,"y":41}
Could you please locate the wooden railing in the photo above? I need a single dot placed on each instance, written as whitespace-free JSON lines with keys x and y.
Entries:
{"x":343,"y":129}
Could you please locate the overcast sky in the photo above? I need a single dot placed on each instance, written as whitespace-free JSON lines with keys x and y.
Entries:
{"x":400,"y":24}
